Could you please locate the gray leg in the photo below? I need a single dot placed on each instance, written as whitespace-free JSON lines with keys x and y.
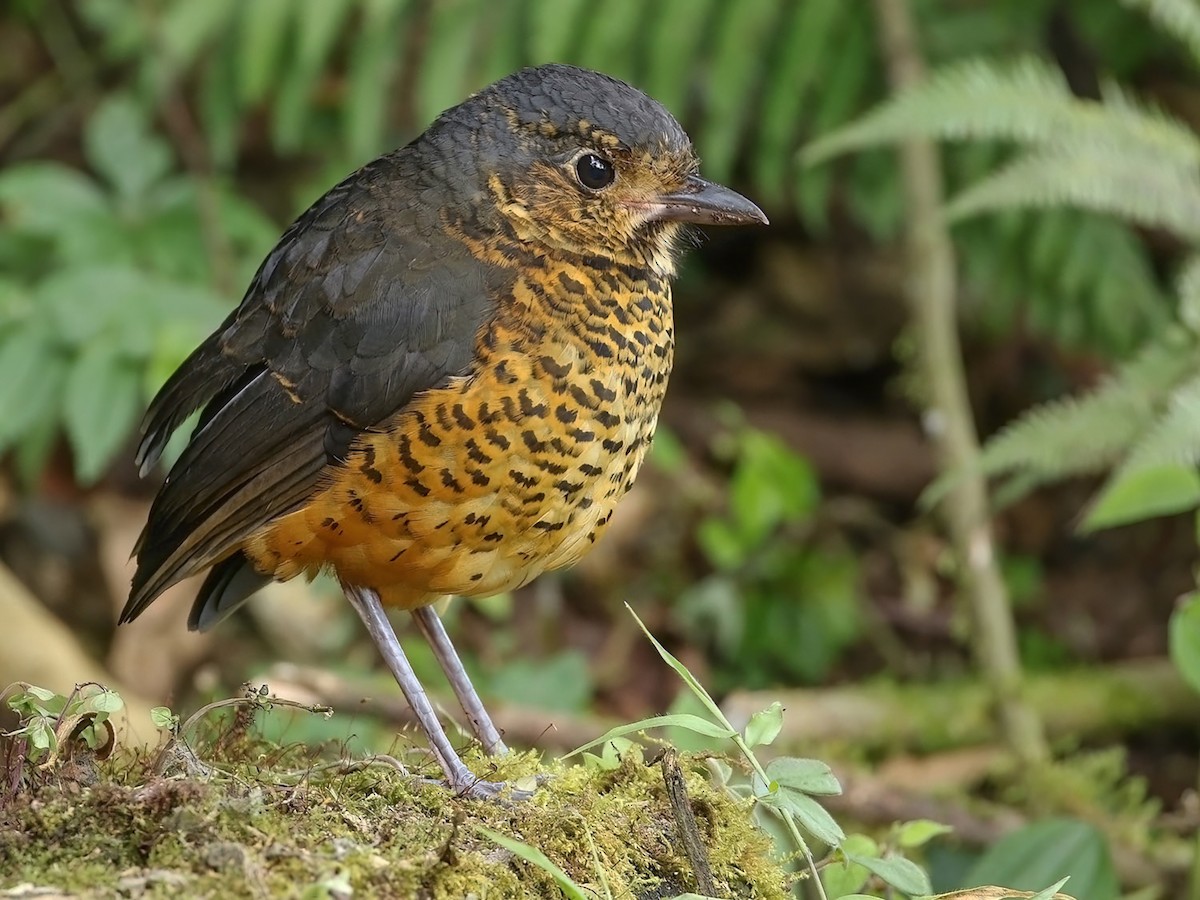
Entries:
{"x":461,"y":780}
{"x":430,"y":625}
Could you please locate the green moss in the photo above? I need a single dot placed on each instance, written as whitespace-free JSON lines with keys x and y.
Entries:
{"x":243,"y":833}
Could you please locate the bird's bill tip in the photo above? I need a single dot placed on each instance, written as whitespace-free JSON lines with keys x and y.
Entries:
{"x":703,"y":202}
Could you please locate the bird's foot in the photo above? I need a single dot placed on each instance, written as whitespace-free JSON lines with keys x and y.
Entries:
{"x":467,"y":785}
{"x":491,"y":790}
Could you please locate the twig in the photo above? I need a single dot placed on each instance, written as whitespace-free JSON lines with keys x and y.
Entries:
{"x":255,"y":699}
{"x":685,"y":822}
{"x":1099,"y":702}
{"x":932,"y":294}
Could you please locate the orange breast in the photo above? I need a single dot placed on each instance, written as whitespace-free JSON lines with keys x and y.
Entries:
{"x":478,"y":487}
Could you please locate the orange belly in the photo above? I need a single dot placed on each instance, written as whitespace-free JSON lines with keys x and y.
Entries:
{"x":476,"y":488}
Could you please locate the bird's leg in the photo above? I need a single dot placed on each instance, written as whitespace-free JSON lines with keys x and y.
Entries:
{"x":461,"y":780}
{"x":430,"y":625}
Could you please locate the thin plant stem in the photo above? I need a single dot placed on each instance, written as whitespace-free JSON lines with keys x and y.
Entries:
{"x":932,"y":294}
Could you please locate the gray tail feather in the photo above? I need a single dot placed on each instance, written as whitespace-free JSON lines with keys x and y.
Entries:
{"x":230,"y":584}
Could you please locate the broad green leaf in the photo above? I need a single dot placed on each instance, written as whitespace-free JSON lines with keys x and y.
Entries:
{"x":842,"y":877}
{"x":39,"y":734}
{"x":919,"y":832}
{"x":85,"y":303}
{"x":100,"y":406}
{"x":104,"y":702}
{"x":902,"y":874}
{"x":678,"y":720}
{"x":1184,"y":633}
{"x":41,"y":693}
{"x":23,"y":378}
{"x":535,"y":856}
{"x":771,"y":484}
{"x":46,"y":197}
{"x":1032,"y":857}
{"x":809,"y":776}
{"x":122,"y":149}
{"x":1144,"y":493}
{"x":811,"y":815}
{"x":764,"y":725}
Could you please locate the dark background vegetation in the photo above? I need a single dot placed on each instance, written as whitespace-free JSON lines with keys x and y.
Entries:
{"x":151,"y":153}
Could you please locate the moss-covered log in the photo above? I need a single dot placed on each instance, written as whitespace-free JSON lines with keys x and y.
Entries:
{"x":375,"y":832}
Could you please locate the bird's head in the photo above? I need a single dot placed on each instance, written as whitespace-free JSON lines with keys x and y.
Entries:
{"x":575,"y":160}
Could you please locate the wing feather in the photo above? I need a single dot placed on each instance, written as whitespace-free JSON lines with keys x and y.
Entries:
{"x":364,"y":302}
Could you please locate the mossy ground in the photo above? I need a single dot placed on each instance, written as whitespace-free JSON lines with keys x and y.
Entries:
{"x":247,"y":831}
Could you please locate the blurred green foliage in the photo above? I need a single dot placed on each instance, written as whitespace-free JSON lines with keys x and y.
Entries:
{"x":1037,"y":854}
{"x":102,"y":288}
{"x":783,"y":600}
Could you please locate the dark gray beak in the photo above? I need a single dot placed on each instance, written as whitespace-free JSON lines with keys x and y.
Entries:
{"x":705,"y":203}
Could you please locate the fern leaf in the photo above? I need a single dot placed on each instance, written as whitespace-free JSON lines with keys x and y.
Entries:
{"x":612,"y":37}
{"x":1028,"y":102}
{"x":1187,"y":285}
{"x":320,"y":23}
{"x":734,"y":78}
{"x":805,"y":45}
{"x":1174,"y":437}
{"x":1178,"y":18}
{"x":264,"y":31}
{"x":1087,"y":434}
{"x":845,"y":84}
{"x":373,"y":63}
{"x":676,"y":34}
{"x":1099,"y":178}
{"x":451,"y":46}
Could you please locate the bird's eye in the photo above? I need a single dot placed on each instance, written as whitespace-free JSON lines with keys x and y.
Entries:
{"x":594,"y":172}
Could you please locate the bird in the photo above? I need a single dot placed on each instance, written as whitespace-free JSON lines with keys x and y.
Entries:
{"x":444,"y":376}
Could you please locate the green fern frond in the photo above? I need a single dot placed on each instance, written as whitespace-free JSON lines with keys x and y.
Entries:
{"x":1187,"y":286}
{"x":1174,"y":437}
{"x":1082,"y":435}
{"x":1178,"y":18}
{"x":1100,"y":178}
{"x":1028,"y":102}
